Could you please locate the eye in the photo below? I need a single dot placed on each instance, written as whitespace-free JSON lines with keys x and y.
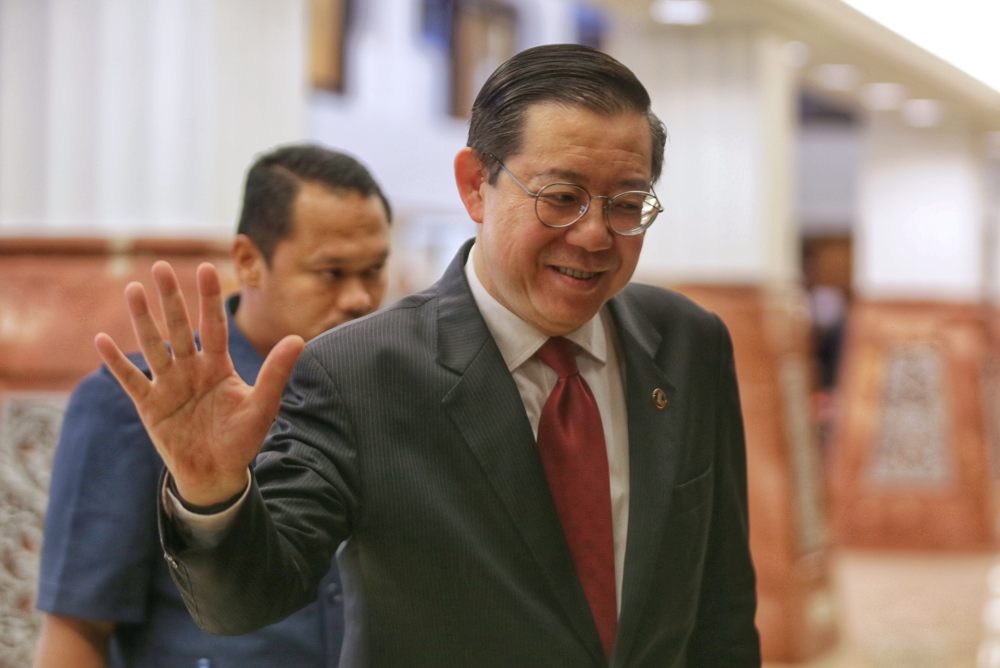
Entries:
{"x":561,"y":196}
{"x":332,"y":274}
{"x":628,"y":207}
{"x":629,"y":204}
{"x":373,"y":272}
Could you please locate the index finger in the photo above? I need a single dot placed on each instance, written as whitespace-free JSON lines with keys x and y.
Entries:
{"x":133,"y":381}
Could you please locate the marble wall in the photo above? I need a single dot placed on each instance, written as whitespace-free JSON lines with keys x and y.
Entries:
{"x":912,"y":459}
{"x":55,"y":295}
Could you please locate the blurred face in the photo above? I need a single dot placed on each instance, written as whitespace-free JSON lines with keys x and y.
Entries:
{"x":329,"y":270}
{"x":557,"y":279}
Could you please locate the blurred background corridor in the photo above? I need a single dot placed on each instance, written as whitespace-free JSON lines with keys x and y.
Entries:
{"x":831,"y":188}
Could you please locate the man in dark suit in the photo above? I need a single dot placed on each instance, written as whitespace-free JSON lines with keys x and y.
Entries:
{"x":532,"y":462}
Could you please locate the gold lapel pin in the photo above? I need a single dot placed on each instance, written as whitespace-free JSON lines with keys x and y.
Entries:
{"x":659,"y":399}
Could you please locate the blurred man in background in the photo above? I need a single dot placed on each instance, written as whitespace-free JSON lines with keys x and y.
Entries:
{"x":310,"y":254}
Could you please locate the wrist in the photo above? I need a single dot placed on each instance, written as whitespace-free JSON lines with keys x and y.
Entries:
{"x":207,"y":505}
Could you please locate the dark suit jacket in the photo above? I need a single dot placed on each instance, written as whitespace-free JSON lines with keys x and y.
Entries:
{"x":405,"y":435}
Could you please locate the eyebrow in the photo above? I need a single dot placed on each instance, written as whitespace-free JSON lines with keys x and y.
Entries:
{"x":339,"y":261}
{"x":575,"y":177}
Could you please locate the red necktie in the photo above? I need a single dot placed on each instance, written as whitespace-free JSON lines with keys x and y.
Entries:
{"x":571,"y":445}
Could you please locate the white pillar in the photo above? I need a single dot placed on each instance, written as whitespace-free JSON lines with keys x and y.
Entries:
{"x":23,"y":111}
{"x":140,"y":117}
{"x":922,"y":210}
{"x":992,"y":141}
{"x":727,"y":97}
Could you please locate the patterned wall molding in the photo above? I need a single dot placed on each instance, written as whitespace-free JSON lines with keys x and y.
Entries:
{"x":29,"y":428}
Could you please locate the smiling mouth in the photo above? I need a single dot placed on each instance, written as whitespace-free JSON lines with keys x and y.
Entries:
{"x":576,"y":273}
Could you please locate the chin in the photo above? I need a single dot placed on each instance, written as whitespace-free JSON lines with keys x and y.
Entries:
{"x":564,"y":325}
{"x":572,"y":318}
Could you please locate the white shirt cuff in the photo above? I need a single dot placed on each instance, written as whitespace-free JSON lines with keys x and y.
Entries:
{"x":201,"y":530}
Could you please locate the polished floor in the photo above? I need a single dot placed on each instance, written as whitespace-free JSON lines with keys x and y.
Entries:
{"x":914,"y":610}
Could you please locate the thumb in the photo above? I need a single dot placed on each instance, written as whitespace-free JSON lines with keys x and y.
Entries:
{"x":275,"y":372}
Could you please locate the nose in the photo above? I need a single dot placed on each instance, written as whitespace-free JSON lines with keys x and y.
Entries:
{"x":591,"y":232}
{"x":354,"y":298}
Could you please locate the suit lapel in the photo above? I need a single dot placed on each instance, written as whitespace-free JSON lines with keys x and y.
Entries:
{"x":654,"y":448}
{"x":487,"y":409}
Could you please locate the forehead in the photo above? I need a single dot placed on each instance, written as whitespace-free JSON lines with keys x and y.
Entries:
{"x":580,"y":137}
{"x":320,"y":211}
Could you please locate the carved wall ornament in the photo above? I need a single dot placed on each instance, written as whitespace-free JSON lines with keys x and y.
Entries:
{"x":29,"y":429}
{"x":911,"y":446}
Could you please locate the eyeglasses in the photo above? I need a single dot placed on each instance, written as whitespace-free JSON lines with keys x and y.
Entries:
{"x":562,"y":204}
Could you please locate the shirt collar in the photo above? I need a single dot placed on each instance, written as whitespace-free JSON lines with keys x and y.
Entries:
{"x":518,"y":340}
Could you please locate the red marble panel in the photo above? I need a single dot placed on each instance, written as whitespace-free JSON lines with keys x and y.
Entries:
{"x":56,"y":294}
{"x":911,"y":462}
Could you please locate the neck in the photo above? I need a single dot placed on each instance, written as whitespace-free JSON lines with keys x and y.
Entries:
{"x":251,"y":325}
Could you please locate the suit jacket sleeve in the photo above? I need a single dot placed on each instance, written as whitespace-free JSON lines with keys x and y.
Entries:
{"x":280,"y":544}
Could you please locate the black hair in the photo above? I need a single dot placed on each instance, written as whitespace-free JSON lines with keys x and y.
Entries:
{"x":569,"y":74}
{"x":274,"y":180}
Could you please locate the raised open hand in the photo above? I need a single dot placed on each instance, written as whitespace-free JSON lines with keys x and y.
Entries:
{"x":206,"y":423}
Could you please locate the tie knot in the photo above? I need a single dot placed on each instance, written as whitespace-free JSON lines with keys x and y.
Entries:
{"x":557,"y":353}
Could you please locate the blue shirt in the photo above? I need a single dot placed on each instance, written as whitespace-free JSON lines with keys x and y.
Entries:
{"x":101,"y":556}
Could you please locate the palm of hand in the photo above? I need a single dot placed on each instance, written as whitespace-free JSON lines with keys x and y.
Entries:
{"x":205,"y":428}
{"x":206,"y":423}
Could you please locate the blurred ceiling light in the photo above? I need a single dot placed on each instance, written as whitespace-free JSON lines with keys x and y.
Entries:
{"x":681,"y":12}
{"x":796,"y":54}
{"x":838,"y":77}
{"x":922,"y":113}
{"x":883,"y":96}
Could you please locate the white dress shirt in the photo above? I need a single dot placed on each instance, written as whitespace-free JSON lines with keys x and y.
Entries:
{"x":600,"y":367}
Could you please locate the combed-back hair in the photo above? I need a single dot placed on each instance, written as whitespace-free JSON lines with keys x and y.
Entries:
{"x":568,"y":74}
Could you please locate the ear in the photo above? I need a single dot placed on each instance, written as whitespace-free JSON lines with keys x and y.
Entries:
{"x":470,"y":177}
{"x":248,"y":261}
